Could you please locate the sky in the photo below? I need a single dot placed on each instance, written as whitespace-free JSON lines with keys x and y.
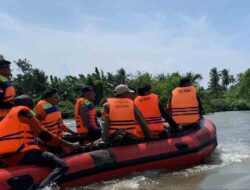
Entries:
{"x":71,"y":37}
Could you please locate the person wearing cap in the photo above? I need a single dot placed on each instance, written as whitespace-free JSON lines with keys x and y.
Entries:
{"x":153,"y":112}
{"x":50,"y":116}
{"x":86,"y":115}
{"x":7,"y":91}
{"x":19,"y":132}
{"x":184,"y":104}
{"x":119,"y":115}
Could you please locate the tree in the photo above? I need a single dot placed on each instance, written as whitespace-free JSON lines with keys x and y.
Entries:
{"x":213,"y":85}
{"x":69,"y":88}
{"x":140,"y":79}
{"x":1,"y":57}
{"x":164,"y":88}
{"x":103,"y":86}
{"x":121,"y":77}
{"x":194,"y":78}
{"x":30,"y":81}
{"x":244,"y":85}
{"x":225,"y":78}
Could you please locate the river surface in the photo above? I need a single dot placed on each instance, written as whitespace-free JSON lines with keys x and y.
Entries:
{"x":227,"y":168}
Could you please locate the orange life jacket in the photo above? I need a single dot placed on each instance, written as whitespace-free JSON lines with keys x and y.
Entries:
{"x":121,"y":115}
{"x":81,"y":128}
{"x":149,"y":107}
{"x":184,"y":105}
{"x":9,"y":95}
{"x":16,"y":136}
{"x":53,"y":118}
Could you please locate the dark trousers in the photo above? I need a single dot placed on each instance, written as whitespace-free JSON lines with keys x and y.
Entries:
{"x":43,"y":158}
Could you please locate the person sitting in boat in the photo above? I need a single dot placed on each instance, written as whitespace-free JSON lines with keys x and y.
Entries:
{"x":50,"y":116}
{"x":86,"y":115}
{"x":184,"y":104}
{"x":7,"y":91}
{"x":19,"y":132}
{"x":119,"y":116}
{"x":152,"y":111}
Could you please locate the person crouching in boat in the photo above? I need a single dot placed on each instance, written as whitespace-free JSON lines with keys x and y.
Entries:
{"x":50,"y":116}
{"x":19,"y":132}
{"x":86,"y":115}
{"x":184,"y":104}
{"x":152,"y":111}
{"x":119,"y":116}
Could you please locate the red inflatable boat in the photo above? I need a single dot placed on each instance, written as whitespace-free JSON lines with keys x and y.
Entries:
{"x":186,"y":150}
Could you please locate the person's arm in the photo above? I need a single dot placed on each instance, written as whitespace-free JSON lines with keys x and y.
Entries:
{"x":40,"y":112}
{"x":142,"y":123}
{"x":39,"y":131}
{"x":5,"y":105}
{"x":201,"y":111}
{"x":167,"y":117}
{"x":169,"y":108}
{"x":105,"y":122}
{"x":173,"y":125}
{"x":84,"y":113}
{"x":66,"y":129}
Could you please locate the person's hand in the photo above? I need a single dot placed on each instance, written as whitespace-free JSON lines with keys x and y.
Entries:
{"x":74,"y":133}
{"x":69,"y":147}
{"x":180,"y":128}
{"x":99,"y":142}
{"x":75,"y":145}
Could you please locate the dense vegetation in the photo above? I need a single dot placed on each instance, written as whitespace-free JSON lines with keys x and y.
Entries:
{"x":225,"y":92}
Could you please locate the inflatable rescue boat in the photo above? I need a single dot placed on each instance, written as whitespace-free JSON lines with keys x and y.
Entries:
{"x":185,"y":150}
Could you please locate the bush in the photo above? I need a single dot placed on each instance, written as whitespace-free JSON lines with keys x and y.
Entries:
{"x":67,"y":108}
{"x":223,"y":104}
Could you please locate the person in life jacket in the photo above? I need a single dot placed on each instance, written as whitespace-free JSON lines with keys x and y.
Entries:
{"x":7,"y":91}
{"x":50,"y":116}
{"x":153,"y":112}
{"x":184,"y":104}
{"x":19,"y":133}
{"x":119,"y":115}
{"x":86,"y":115}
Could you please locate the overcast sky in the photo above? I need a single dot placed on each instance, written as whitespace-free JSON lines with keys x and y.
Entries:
{"x":157,"y":36}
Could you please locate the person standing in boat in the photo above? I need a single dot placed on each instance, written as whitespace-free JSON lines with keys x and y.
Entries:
{"x":7,"y":91}
{"x":119,"y":116}
{"x":50,"y":116}
{"x":86,"y":115}
{"x":19,"y":132}
{"x":184,"y":104}
{"x":152,"y":111}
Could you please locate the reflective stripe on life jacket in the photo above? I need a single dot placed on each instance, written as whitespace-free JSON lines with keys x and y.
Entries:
{"x":81,"y":128}
{"x":121,"y":115}
{"x":53,"y":118}
{"x":149,"y":107}
{"x":8,"y":96}
{"x":184,"y":105}
{"x":16,"y":136}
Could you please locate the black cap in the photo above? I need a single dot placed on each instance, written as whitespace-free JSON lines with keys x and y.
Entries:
{"x":24,"y":100}
{"x":4,"y":63}
{"x":86,"y":88}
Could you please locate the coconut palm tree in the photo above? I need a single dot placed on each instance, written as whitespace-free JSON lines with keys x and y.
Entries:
{"x":213,"y":84}
{"x":194,"y":78}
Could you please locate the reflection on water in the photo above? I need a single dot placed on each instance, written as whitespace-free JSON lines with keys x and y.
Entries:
{"x":233,"y":147}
